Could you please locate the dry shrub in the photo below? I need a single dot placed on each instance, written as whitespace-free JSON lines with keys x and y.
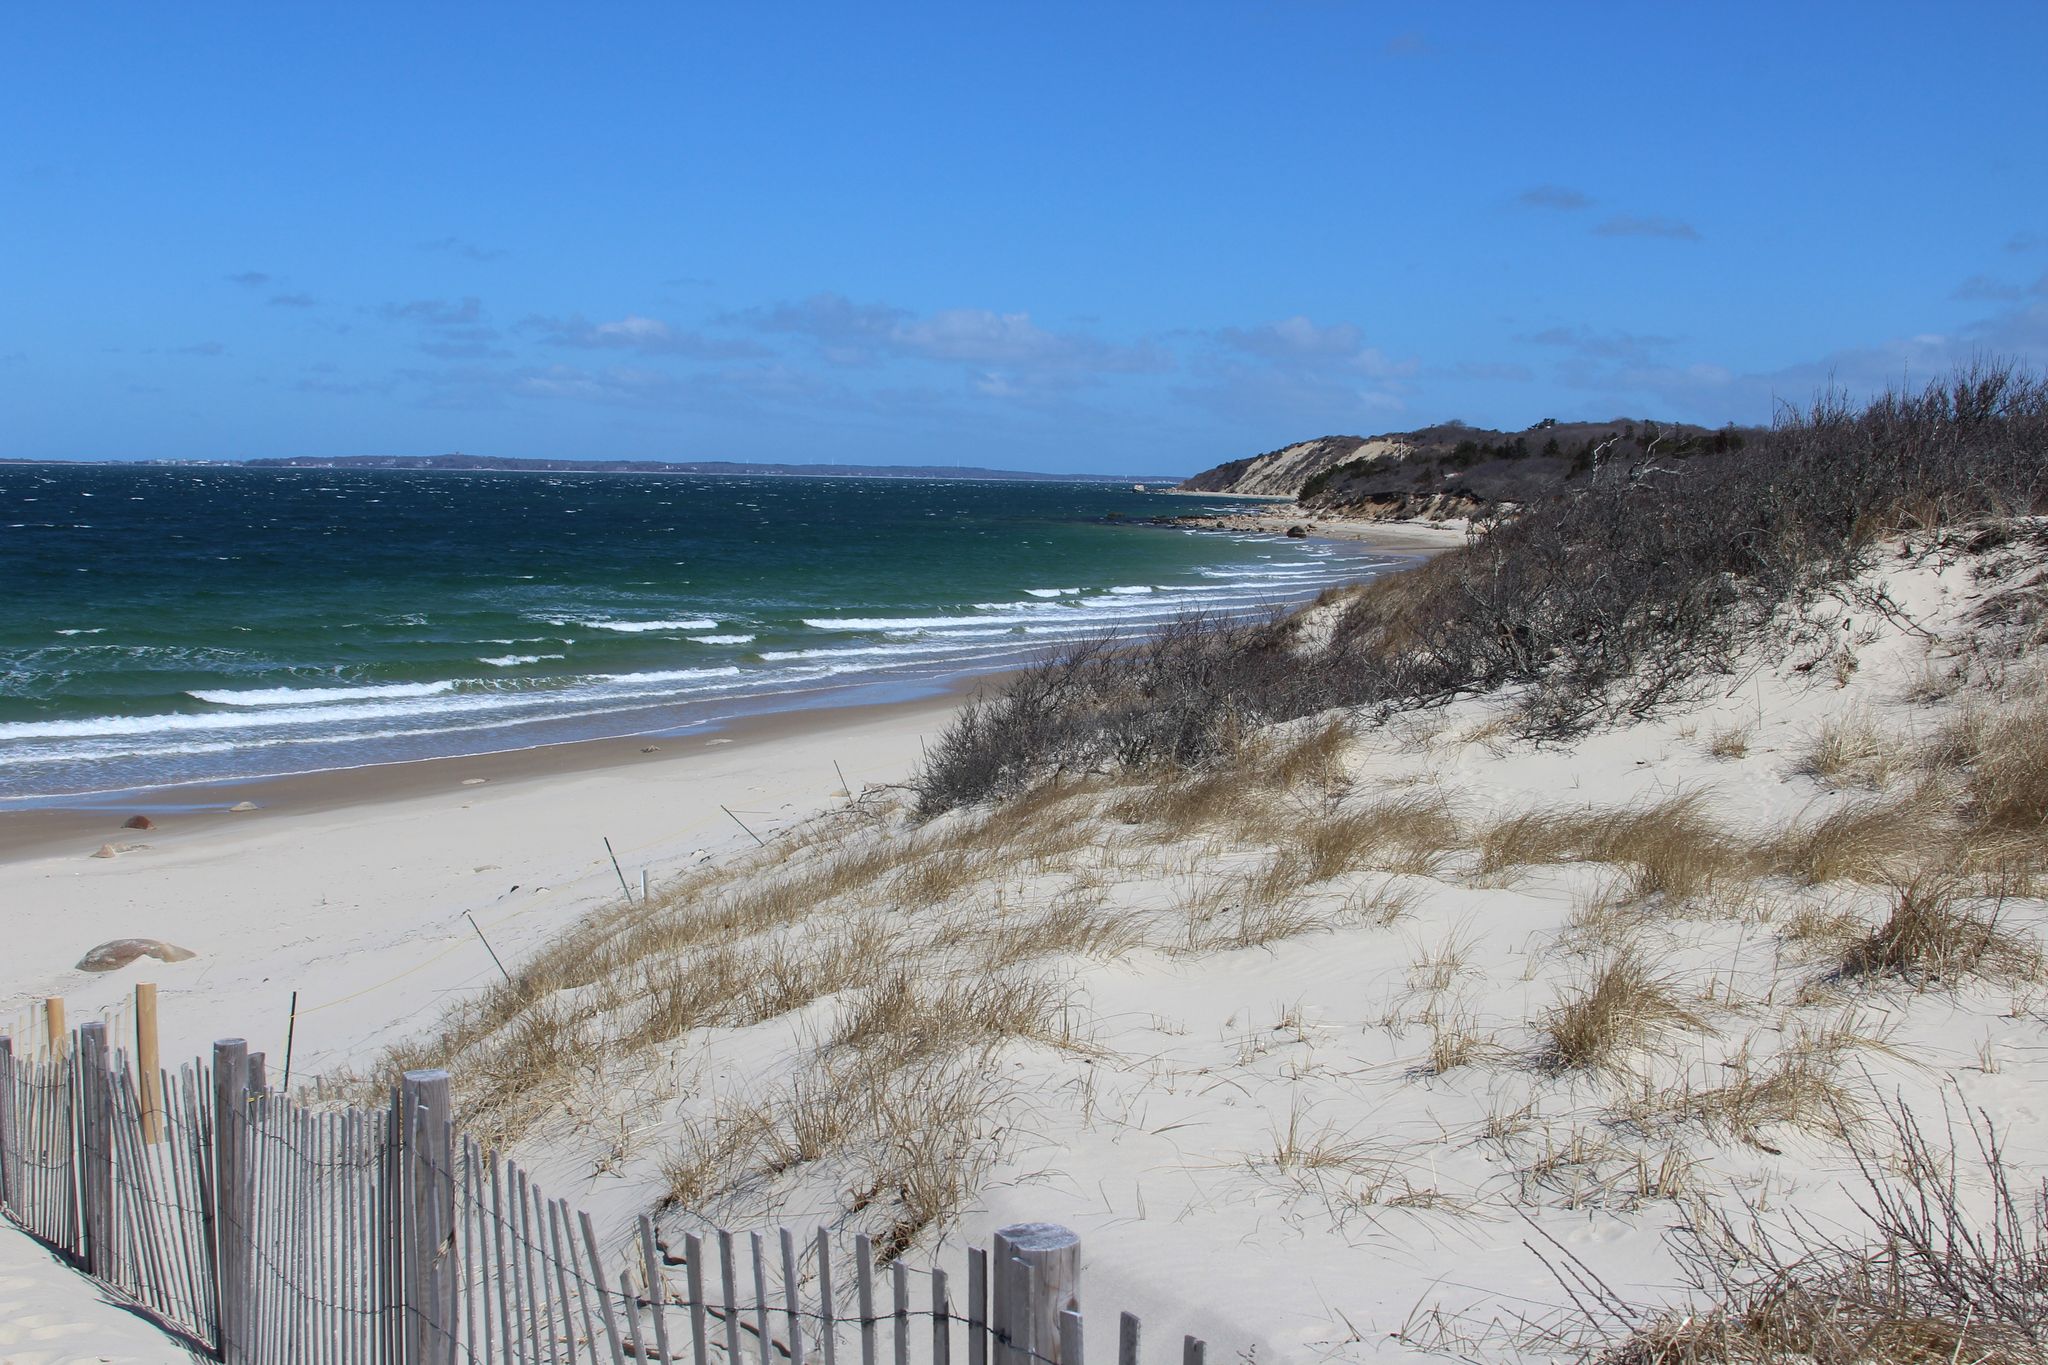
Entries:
{"x":1934,"y":934}
{"x":1600,"y":603}
{"x":1944,"y":1274}
{"x":1622,"y":1007}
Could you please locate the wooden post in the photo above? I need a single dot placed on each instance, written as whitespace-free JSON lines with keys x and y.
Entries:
{"x":259,"y":1075}
{"x":53,"y":1020}
{"x":1194,"y":1351}
{"x":1037,"y":1276}
{"x":10,"y":1198}
{"x":430,"y":1287}
{"x":1127,"y":1340}
{"x":96,"y":1151}
{"x":232,"y":1196}
{"x":149,"y":1077}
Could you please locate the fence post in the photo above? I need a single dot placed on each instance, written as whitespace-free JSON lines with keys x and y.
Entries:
{"x":149,"y":1077}
{"x":1037,"y":1274}
{"x":9,"y":1196}
{"x":95,"y":1150}
{"x":53,"y":1024}
{"x":429,"y":1182}
{"x":233,"y":1195}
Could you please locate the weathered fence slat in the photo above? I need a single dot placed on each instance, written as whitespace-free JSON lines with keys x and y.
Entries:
{"x":864,"y":1279}
{"x":693,"y":1269}
{"x":657,"y":1291}
{"x":792,"y":1297}
{"x":604,"y":1301}
{"x":828,"y":1326}
{"x":730,"y":1280}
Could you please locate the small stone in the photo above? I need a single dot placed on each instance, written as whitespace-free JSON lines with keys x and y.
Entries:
{"x":107,"y":851}
{"x":119,"y":952}
{"x":138,"y":822}
{"x":240,"y":806}
{"x":650,"y":748}
{"x":472,"y":781}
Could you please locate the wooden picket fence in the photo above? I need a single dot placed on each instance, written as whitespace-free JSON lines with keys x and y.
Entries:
{"x":257,"y":1230}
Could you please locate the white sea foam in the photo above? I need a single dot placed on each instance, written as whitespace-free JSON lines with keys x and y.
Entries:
{"x":668,"y":675}
{"x":514,"y":660}
{"x":96,"y":630}
{"x":636,"y":627}
{"x":722,"y":639}
{"x":1133,"y":590}
{"x":310,"y":696}
{"x":1052,"y":592}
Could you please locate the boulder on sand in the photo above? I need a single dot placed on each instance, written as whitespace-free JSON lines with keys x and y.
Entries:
{"x":138,"y":822}
{"x":119,"y":952}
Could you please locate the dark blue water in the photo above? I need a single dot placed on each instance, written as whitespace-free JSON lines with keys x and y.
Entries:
{"x":169,"y":625}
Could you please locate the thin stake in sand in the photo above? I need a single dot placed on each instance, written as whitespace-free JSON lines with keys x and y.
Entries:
{"x":624,"y":889}
{"x":487,"y":946}
{"x":743,"y":825}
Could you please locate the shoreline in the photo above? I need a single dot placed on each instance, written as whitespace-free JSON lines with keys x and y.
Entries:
{"x":33,"y":826}
{"x":370,"y":891}
{"x":196,"y":808}
{"x":1399,"y":536}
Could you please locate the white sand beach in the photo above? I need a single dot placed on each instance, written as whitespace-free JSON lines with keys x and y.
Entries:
{"x":1317,"y":1126}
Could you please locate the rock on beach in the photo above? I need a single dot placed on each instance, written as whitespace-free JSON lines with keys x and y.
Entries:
{"x":119,"y":952}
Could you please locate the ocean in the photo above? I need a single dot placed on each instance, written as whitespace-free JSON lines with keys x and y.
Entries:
{"x":163,"y":625}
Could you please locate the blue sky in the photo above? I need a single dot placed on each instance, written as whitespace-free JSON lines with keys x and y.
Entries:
{"x":1138,"y":237}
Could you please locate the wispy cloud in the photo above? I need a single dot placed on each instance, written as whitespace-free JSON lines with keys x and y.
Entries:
{"x":1494,"y":372}
{"x":1293,"y":337}
{"x":1983,"y":288}
{"x":1300,"y":373}
{"x":469,"y":251}
{"x":647,"y":336}
{"x":1553,"y":197}
{"x":343,"y":388}
{"x":1629,"y":347}
{"x":434,"y":312}
{"x":860,"y":333}
{"x":292,"y":300}
{"x":1651,"y":225}
{"x":2026,"y":241}
{"x":248,"y":279}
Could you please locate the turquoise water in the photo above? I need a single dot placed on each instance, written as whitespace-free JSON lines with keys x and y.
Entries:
{"x":169,"y":625}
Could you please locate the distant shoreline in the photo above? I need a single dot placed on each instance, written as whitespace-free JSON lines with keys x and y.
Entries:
{"x":698,"y":469}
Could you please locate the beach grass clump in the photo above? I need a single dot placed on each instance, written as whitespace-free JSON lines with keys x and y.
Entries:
{"x":1623,"y":1006}
{"x":1936,"y":933}
{"x":1672,"y":849}
{"x":1873,"y":840}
